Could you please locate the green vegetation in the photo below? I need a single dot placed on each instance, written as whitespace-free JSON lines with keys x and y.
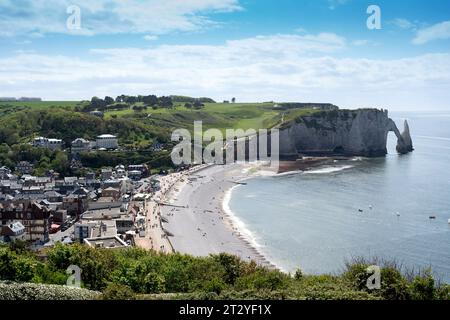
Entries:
{"x":32,"y":291}
{"x":138,"y":121}
{"x":134,"y":273}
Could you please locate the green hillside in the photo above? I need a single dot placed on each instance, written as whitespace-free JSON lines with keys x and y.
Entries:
{"x":137,"y":121}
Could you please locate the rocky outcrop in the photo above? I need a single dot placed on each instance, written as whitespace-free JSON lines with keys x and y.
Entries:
{"x":360,"y":132}
{"x":405,"y":144}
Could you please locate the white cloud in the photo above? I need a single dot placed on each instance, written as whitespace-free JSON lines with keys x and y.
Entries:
{"x":109,"y":17}
{"x":278,"y":67}
{"x":151,"y":37}
{"x":440,"y":31}
{"x":332,"y":4}
{"x":403,"y":23}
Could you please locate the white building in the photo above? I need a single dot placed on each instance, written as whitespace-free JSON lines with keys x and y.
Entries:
{"x":80,"y":145}
{"x":53,"y":144}
{"x":12,"y":232}
{"x":107,"y":141}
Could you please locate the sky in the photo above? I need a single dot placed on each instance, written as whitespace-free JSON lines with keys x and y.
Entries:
{"x":254,"y":50}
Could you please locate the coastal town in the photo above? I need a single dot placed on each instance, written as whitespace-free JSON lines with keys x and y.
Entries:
{"x":115,"y":207}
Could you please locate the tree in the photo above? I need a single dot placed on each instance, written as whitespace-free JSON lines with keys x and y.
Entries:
{"x":131,"y":100}
{"x":233,"y":100}
{"x":165,"y":102}
{"x":198,"y":105}
{"x":188,"y":105}
{"x":61,"y":163}
{"x":150,"y":100}
{"x":109,"y":100}
{"x":97,"y":103}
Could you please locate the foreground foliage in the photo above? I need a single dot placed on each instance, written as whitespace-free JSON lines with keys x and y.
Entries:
{"x":32,"y":291}
{"x":139,"y":274}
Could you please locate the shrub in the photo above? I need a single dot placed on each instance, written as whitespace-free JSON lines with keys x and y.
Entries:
{"x":423,"y":287}
{"x":298,"y":275}
{"x":154,"y":283}
{"x":393,"y":284}
{"x":32,"y":291}
{"x":215,"y":285}
{"x":116,"y":291}
{"x":231,"y":264}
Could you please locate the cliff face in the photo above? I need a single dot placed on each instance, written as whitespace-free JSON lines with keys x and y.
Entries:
{"x":348,"y":132}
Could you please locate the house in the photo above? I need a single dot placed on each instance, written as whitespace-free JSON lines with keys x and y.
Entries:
{"x":33,"y":216}
{"x":82,"y":231}
{"x":111,"y":242}
{"x":139,"y":167}
{"x":12,"y":232}
{"x":106,"y":174}
{"x":120,"y":171}
{"x":90,"y":176}
{"x":111,"y":192}
{"x":53,"y":196}
{"x":52,"y":144}
{"x":75,"y":205}
{"x":124,"y":224}
{"x":107,"y":141}
{"x":134,"y":174}
{"x":5,"y":172}
{"x":80,"y":145}
{"x":24,"y":167}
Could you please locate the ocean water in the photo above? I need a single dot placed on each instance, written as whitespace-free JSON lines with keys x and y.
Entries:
{"x":312,"y":220}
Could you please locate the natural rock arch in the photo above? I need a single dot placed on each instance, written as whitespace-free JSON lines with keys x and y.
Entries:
{"x":404,"y":141}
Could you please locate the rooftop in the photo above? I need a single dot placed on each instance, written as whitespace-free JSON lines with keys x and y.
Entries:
{"x":106,"y":242}
{"x":104,"y":136}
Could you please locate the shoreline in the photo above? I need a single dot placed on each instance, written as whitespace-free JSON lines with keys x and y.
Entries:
{"x":220,"y":228}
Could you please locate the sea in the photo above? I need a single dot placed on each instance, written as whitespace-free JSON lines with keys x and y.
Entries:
{"x":395,"y":208}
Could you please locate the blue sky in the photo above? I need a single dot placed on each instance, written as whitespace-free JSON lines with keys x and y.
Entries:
{"x":256,"y":50}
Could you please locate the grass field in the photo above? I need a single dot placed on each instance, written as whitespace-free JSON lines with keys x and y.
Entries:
{"x":220,"y":116}
{"x":214,"y":115}
{"x":38,"y":104}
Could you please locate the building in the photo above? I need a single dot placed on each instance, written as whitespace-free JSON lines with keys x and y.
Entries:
{"x":5,"y":172}
{"x":139,"y":167}
{"x":80,"y":145}
{"x":83,"y":231}
{"x":107,"y":141}
{"x":134,"y":174}
{"x":24,"y":167}
{"x":112,"y":242}
{"x":33,"y":216}
{"x":124,"y":224}
{"x":106,"y":174}
{"x":12,"y":232}
{"x":52,"y":144}
{"x":111,"y":193}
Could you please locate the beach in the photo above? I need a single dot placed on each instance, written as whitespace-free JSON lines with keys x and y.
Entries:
{"x":197,"y":217}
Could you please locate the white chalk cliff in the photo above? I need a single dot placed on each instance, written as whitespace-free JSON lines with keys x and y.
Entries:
{"x":360,"y":132}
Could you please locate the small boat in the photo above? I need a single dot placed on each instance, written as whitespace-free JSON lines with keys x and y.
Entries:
{"x":398,"y":214}
{"x":432,"y":217}
{"x":361,"y":210}
{"x":370,"y":207}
